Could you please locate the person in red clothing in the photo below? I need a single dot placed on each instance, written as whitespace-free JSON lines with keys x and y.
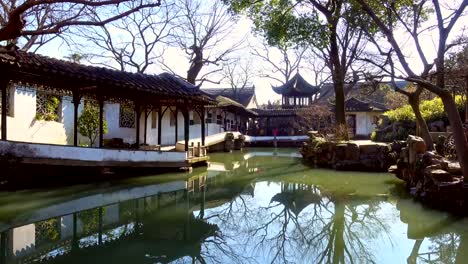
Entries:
{"x":275,"y":133}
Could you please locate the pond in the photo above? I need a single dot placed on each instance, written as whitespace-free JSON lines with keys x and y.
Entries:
{"x":256,"y":206}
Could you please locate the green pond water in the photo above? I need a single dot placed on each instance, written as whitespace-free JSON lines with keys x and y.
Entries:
{"x":256,"y":206}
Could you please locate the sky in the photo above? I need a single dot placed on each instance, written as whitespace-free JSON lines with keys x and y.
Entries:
{"x":243,"y":31}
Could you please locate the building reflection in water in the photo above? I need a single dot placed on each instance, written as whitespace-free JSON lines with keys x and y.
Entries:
{"x":240,"y":210}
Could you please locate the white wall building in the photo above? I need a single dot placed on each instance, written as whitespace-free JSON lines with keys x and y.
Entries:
{"x":27,"y":124}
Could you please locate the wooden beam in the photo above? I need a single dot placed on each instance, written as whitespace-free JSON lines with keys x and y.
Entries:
{"x":101,"y":121}
{"x":4,"y":84}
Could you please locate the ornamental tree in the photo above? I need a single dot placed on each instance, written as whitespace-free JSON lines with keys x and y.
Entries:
{"x":88,"y":123}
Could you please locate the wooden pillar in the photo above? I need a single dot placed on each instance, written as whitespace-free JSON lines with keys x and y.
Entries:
{"x":146,"y":125}
{"x":160,"y":117}
{"x":176,"y":115}
{"x":3,"y":247}
{"x":138,"y":115}
{"x":224,"y":121}
{"x":203,"y":119}
{"x":75,"y":240}
{"x":4,"y":85}
{"x":101,"y":121}
{"x":76,"y":104}
{"x":100,"y":224}
{"x":186,"y":128}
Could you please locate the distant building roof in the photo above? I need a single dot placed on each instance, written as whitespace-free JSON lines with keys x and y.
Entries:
{"x":355,"y":105}
{"x":243,"y":96}
{"x":233,"y":106}
{"x":297,"y":86}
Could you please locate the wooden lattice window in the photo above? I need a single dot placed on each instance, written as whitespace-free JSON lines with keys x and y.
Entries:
{"x":219,"y":120}
{"x":126,"y":116}
{"x":48,"y":107}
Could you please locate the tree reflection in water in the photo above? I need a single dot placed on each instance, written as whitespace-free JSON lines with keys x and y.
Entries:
{"x":302,"y":223}
{"x":250,"y":208}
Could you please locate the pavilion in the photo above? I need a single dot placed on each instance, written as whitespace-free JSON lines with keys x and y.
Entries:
{"x":297,"y":92}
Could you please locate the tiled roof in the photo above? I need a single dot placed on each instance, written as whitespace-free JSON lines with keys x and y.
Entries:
{"x":243,"y":96}
{"x":49,"y":71}
{"x":234,"y":106}
{"x":355,"y":105}
{"x":297,"y":86}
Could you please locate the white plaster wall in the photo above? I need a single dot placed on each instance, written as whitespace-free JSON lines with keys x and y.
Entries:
{"x":253,"y":103}
{"x":28,"y":150}
{"x":66,"y":226}
{"x":111,"y":214}
{"x":364,"y":126}
{"x":23,"y":126}
{"x":111,"y":114}
{"x":24,"y":239}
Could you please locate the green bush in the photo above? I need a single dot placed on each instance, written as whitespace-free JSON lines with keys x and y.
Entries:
{"x":88,"y":123}
{"x":49,"y":113}
{"x":373,"y":136}
{"x":431,"y":110}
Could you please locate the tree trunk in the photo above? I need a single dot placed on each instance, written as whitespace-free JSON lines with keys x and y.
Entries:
{"x":337,"y":75}
{"x":466,"y":100}
{"x":195,"y":66}
{"x":414,"y":102}
{"x":461,"y":143}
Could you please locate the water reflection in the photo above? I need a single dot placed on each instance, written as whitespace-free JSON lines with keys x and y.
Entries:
{"x":254,"y":207}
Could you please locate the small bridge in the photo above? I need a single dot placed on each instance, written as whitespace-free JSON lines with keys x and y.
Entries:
{"x":218,"y":139}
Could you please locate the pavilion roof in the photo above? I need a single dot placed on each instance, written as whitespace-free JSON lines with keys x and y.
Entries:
{"x":64,"y":75}
{"x":297,"y":86}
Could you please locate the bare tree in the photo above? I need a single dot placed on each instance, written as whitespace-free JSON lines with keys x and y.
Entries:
{"x":204,"y":31}
{"x":286,"y":64}
{"x":238,"y":74}
{"x":61,"y":14}
{"x":445,"y":22}
{"x":132,"y":43}
{"x":33,"y":18}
